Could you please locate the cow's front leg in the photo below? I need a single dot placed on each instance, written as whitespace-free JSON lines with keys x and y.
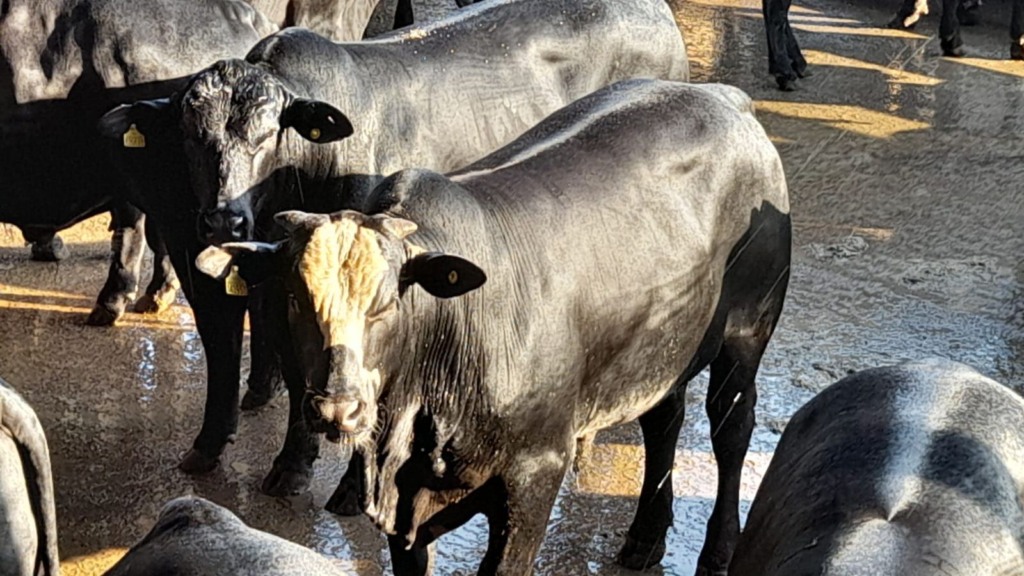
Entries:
{"x":732,"y":394}
{"x":265,"y":376}
{"x":516,"y":529}
{"x":220,"y":320}
{"x":348,"y":497}
{"x":47,"y":246}
{"x":645,"y":542}
{"x":293,"y":467}
{"x":127,"y":249}
{"x":1017,"y":31}
{"x":414,"y":561}
{"x":164,"y":285}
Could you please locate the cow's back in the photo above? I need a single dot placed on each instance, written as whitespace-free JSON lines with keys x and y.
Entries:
{"x":612,"y":220}
{"x":443,"y":94}
{"x":895,"y":470}
{"x":193,"y":536}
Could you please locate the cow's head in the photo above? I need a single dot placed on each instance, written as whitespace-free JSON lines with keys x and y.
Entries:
{"x":349,"y":274}
{"x":232,"y":118}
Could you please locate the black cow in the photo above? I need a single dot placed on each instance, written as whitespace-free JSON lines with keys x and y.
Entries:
{"x":195,"y":537}
{"x":63,"y":64}
{"x":28,"y":520}
{"x":908,"y":470}
{"x":955,"y":13}
{"x":440,"y":95}
{"x":603,"y":260}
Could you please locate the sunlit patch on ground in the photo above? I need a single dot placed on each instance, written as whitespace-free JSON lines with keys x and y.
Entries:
{"x":819,"y":58}
{"x":92,"y":564}
{"x":695,"y":472}
{"x":1008,"y":67}
{"x":856,"y":119}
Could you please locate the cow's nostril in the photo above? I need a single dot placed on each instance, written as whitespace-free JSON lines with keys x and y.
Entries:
{"x":348,"y":415}
{"x":237,"y":224}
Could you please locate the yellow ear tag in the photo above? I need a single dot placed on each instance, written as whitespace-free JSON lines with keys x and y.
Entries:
{"x":234,"y":285}
{"x":133,"y":138}
{"x":314,"y":134}
{"x":453,"y":277}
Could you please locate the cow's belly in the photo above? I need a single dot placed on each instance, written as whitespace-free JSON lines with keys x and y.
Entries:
{"x":642,"y":373}
{"x":18,"y":538}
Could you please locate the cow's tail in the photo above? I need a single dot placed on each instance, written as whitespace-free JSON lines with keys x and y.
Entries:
{"x":20,"y":420}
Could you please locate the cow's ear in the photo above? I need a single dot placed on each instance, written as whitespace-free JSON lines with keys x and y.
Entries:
{"x":316,"y":121}
{"x":294,"y":220}
{"x":132,"y":124}
{"x":256,"y":261}
{"x":441,"y":275}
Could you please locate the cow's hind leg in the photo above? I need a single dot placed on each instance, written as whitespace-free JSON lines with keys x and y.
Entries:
{"x":164,"y":284}
{"x":754,"y":289}
{"x":645,"y":543}
{"x":127,"y":249}
{"x":949,"y":29}
{"x":47,"y":246}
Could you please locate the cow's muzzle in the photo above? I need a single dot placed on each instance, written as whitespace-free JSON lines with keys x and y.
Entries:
{"x":224,"y":225}
{"x":341,"y":418}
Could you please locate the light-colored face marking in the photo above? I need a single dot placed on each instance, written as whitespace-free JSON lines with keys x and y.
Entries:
{"x":343,"y":267}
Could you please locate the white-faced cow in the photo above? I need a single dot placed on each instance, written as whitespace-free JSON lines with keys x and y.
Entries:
{"x":908,"y":470}
{"x":465,"y":331}
{"x":28,"y":524}
{"x":954,"y":14}
{"x":304,"y":123}
{"x":195,"y":537}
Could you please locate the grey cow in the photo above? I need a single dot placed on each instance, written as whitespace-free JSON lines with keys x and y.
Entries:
{"x":195,"y":537}
{"x":28,"y":525}
{"x":464,"y":331}
{"x":306,"y":123}
{"x":908,"y":470}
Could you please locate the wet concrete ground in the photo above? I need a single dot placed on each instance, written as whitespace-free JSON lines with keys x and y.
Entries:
{"x":904,"y":172}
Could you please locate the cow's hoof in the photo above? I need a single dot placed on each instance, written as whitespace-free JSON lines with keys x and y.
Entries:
{"x":705,"y":571}
{"x":286,"y":482}
{"x":1016,"y":51}
{"x":155,"y":303}
{"x":52,"y":251}
{"x":195,"y":462}
{"x":254,"y":399}
{"x":636,"y":555}
{"x":104,"y":315}
{"x":954,"y":51}
{"x":900,"y":23}
{"x":804,"y":72}
{"x":786,"y":84}
{"x":345,"y":501}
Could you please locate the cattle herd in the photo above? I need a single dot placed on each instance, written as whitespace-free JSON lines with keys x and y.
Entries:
{"x":465,"y":246}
